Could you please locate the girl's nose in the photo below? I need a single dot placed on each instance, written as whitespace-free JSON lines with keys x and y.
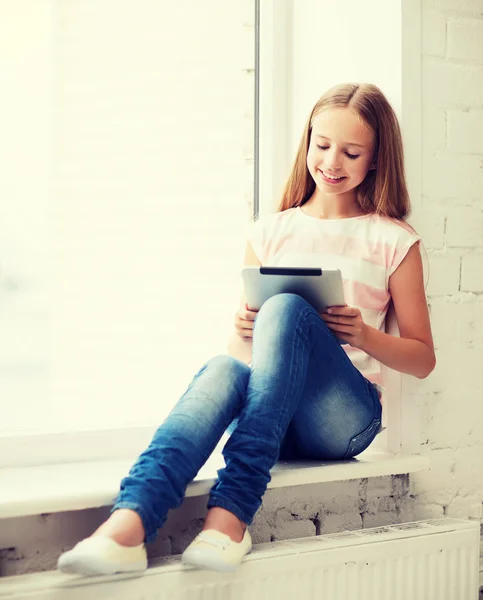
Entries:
{"x":333,"y":161}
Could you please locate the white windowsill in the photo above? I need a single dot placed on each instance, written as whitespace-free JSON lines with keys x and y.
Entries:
{"x":77,"y":486}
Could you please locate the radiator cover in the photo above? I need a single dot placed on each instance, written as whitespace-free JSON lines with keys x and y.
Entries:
{"x":434,"y":559}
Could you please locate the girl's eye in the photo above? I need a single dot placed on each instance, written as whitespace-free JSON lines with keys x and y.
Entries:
{"x":348,"y":154}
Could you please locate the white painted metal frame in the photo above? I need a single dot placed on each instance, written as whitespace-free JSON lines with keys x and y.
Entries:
{"x":274,"y":99}
{"x":408,"y":419}
{"x":402,"y":415}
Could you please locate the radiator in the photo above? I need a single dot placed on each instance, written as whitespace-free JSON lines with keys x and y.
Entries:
{"x":425,"y":560}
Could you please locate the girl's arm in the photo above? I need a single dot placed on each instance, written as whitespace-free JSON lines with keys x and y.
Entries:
{"x":238,"y":347}
{"x":413,"y":351}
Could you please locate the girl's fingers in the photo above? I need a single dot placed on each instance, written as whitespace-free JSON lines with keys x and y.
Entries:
{"x":246,"y":315}
{"x":341,"y":328}
{"x":348,"y":311}
{"x":244,"y":322}
{"x":245,"y":334}
{"x":341,"y":320}
{"x":243,"y":325}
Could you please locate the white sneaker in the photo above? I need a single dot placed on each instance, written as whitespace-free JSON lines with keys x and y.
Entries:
{"x":214,"y":550}
{"x":101,"y":555}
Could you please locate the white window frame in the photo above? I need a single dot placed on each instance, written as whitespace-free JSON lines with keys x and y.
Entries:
{"x":274,"y":96}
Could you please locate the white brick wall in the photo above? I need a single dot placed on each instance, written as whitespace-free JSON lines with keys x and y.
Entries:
{"x":472,"y":273}
{"x":465,"y":89}
{"x":465,"y":131}
{"x":452,"y":176}
{"x":464,"y":228}
{"x":434,"y":33}
{"x":456,"y":7}
{"x":465,"y":39}
{"x":452,"y":398}
{"x":444,"y":274}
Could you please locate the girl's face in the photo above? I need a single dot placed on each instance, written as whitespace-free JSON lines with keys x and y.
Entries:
{"x":341,"y":150}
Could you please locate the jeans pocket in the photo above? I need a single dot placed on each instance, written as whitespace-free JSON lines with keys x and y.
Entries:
{"x":362,"y":440}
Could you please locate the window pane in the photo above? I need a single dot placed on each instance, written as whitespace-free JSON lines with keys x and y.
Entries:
{"x":133,"y":260}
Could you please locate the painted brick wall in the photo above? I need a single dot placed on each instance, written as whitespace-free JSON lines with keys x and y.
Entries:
{"x":451,"y":223}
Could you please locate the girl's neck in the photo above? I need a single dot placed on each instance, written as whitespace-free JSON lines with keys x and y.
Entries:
{"x":332,"y":206}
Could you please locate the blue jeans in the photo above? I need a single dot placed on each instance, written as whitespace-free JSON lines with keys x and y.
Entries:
{"x":301,"y":398}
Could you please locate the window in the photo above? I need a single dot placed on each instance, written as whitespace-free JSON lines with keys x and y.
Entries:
{"x":128,"y":174}
{"x":128,"y":147}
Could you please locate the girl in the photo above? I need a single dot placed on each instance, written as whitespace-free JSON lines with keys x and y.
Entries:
{"x":289,"y":388}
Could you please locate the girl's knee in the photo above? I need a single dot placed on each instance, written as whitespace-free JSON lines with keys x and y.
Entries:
{"x":226,"y":365}
{"x":281,"y":305}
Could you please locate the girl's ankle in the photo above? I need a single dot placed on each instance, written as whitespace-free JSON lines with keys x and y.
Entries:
{"x":226,"y":522}
{"x":124,"y":526}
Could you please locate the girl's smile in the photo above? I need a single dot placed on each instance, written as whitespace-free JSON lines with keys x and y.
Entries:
{"x":331,"y":179}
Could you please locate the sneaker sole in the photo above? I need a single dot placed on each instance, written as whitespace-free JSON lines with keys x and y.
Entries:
{"x":91,"y":566}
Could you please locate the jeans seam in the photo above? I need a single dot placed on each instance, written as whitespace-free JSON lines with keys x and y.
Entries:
{"x":302,"y":334}
{"x":374,"y":424}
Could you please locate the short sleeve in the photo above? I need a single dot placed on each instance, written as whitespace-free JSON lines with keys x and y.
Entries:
{"x":405,"y":241}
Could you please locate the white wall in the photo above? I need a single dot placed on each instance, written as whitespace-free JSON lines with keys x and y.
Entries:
{"x":451,"y":222}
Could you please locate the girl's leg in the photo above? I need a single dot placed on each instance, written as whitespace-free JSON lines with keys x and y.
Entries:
{"x":157,"y":482}
{"x":294,"y":353}
{"x":338,"y":418}
{"x":158,"y":479}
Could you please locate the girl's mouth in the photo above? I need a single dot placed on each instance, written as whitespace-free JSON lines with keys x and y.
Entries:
{"x":331,"y":178}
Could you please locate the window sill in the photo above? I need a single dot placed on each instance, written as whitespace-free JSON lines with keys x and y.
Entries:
{"x":77,"y":486}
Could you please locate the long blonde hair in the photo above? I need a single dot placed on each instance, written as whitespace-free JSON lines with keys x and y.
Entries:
{"x":384,"y":189}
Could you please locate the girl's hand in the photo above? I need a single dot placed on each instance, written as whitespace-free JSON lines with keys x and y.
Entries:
{"x":244,"y":319}
{"x":347,"y":323}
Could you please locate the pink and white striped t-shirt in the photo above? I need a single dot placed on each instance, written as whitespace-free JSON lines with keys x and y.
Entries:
{"x":367,"y":249}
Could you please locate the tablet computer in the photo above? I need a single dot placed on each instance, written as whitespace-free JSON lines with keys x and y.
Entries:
{"x":321,"y":288}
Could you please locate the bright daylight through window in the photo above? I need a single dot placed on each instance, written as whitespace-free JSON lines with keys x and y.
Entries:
{"x":126,"y":191}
